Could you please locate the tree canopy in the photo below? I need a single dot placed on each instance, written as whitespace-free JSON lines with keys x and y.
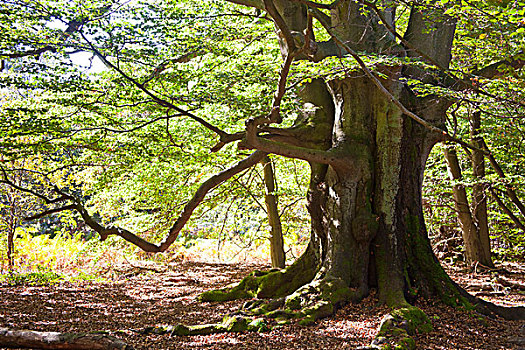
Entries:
{"x":360,"y":90}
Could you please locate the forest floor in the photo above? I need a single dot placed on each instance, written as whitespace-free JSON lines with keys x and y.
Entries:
{"x":154,"y":295}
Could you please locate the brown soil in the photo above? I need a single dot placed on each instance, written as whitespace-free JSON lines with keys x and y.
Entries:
{"x":143,"y":297}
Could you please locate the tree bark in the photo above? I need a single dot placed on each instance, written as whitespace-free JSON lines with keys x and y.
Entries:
{"x":479,"y":196}
{"x":469,"y":229}
{"x":270,"y":199}
{"x":54,"y":340}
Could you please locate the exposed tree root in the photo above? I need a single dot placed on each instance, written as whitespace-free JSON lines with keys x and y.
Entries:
{"x":231,"y":323}
{"x":397,"y":328}
{"x":489,"y":309}
{"x":311,"y":302}
{"x":268,"y":284}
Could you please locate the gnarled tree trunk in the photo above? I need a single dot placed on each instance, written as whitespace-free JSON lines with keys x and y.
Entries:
{"x":367,"y":141}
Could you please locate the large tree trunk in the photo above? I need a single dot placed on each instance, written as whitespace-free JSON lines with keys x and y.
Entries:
{"x":367,"y":154}
{"x":374,"y":217}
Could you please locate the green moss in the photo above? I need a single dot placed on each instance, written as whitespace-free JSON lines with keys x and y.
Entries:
{"x":258,"y":325}
{"x":235,"y":323}
{"x":205,"y":329}
{"x":180,"y":329}
{"x":244,"y":290}
{"x":319,"y":310}
{"x":406,"y":343}
{"x":293,"y":301}
{"x":335,"y":291}
{"x":416,"y":320}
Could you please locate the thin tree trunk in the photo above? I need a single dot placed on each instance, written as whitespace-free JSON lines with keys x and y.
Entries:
{"x":473,"y":245}
{"x":276,"y":239}
{"x":10,"y":246}
{"x":479,"y":199}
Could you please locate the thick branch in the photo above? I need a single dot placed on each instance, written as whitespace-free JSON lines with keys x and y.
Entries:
{"x":452,"y":80}
{"x":291,"y":151}
{"x":384,"y":90}
{"x":281,"y":24}
{"x":498,"y":68}
{"x":208,"y":185}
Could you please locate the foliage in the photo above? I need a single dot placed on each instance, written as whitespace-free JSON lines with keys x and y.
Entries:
{"x":135,"y":163}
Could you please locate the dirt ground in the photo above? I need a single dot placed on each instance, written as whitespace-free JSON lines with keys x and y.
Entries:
{"x":141,"y":297}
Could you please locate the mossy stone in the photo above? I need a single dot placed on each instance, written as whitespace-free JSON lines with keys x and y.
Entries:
{"x":235,"y":323}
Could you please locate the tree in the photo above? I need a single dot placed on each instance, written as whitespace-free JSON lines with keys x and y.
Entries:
{"x":270,"y":199}
{"x":373,"y":104}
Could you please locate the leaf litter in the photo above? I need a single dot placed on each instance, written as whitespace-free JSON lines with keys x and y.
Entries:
{"x":168,"y":296}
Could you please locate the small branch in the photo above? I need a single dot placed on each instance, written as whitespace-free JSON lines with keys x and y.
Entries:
{"x":163,"y":66}
{"x":227,"y":138}
{"x":157,"y":99}
{"x":509,"y":191}
{"x":47,"y":200}
{"x":73,"y":26}
{"x":49,"y":212}
{"x":506,"y":209}
{"x":35,"y":52}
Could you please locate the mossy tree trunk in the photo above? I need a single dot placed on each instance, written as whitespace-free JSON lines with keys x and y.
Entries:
{"x":367,"y":140}
{"x":367,"y":219}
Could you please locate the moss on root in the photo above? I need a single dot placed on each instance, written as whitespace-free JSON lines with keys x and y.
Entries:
{"x":231,"y":323}
{"x":397,"y":328}
{"x":268,"y":284}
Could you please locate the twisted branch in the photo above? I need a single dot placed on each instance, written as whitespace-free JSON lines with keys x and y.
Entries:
{"x":104,"y":232}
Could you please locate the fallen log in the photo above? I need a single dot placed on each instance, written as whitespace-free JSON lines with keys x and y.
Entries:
{"x":10,"y":338}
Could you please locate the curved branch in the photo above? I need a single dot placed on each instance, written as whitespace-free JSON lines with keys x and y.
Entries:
{"x":157,"y":99}
{"x":197,"y":198}
{"x":49,"y":212}
{"x":281,"y":24}
{"x":208,"y":185}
